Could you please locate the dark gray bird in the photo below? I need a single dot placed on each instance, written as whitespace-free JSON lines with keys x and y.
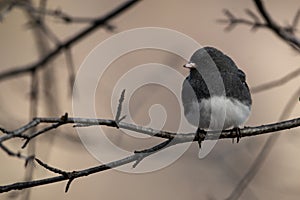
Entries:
{"x":215,"y":95}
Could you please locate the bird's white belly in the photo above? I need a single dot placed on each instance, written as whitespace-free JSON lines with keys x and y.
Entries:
{"x":218,"y":113}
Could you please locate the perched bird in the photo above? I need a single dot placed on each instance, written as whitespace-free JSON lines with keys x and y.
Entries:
{"x":215,"y":94}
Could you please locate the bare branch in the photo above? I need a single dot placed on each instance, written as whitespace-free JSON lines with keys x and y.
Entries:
{"x":296,"y":20}
{"x":11,"y":153}
{"x":118,"y":119}
{"x":284,"y":33}
{"x":209,"y":135}
{"x":46,"y":30}
{"x":146,"y":152}
{"x":232,"y":21}
{"x":70,"y":176}
{"x":48,"y":128}
{"x":57,"y":14}
{"x":97,"y":23}
{"x":279,"y":82}
{"x":252,"y":15}
{"x":52,"y":169}
{"x":278,"y":30}
{"x":17,"y":154}
{"x":139,"y":155}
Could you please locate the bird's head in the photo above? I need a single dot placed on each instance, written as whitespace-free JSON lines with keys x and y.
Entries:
{"x":210,"y":59}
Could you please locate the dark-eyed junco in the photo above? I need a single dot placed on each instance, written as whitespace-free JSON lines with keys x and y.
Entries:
{"x":215,"y":95}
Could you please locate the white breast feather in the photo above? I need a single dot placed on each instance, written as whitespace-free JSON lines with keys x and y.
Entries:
{"x":225,"y":113}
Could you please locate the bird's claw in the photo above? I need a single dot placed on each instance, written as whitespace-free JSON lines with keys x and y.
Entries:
{"x":237,"y":131}
{"x":199,"y":136}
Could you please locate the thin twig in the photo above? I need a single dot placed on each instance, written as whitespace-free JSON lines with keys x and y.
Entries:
{"x":278,"y":30}
{"x":46,"y":129}
{"x":16,"y":154}
{"x":57,"y":13}
{"x":70,"y":176}
{"x":97,"y":23}
{"x":284,"y":33}
{"x":232,"y":20}
{"x":275,"y":83}
{"x":146,"y":152}
{"x":47,"y":31}
{"x":70,"y":67}
{"x":118,"y":119}
{"x":51,"y":169}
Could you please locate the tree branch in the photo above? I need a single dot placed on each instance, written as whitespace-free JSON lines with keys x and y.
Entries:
{"x":209,"y":135}
{"x":138,"y":155}
{"x":285,"y":33}
{"x":57,"y":13}
{"x":282,"y":32}
{"x":98,"y":22}
{"x":70,"y":176}
{"x":232,"y":20}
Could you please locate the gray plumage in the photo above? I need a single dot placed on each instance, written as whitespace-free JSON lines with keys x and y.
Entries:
{"x":214,"y":74}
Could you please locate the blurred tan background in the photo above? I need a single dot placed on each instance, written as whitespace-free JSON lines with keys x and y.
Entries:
{"x":262,"y":56}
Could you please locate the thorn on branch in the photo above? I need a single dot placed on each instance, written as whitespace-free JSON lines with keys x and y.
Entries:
{"x":82,"y":125}
{"x":64,"y":118}
{"x":118,"y":119}
{"x":29,"y":159}
{"x":69,"y":184}
{"x":109,"y":27}
{"x":69,"y":175}
{"x":140,"y":157}
{"x":66,"y":19}
{"x":27,"y":140}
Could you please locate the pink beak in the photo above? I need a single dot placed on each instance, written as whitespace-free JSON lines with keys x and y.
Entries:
{"x":190,"y":65}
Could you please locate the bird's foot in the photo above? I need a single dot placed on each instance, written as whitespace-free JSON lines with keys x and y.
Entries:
{"x":237,"y":131}
{"x":199,"y":135}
